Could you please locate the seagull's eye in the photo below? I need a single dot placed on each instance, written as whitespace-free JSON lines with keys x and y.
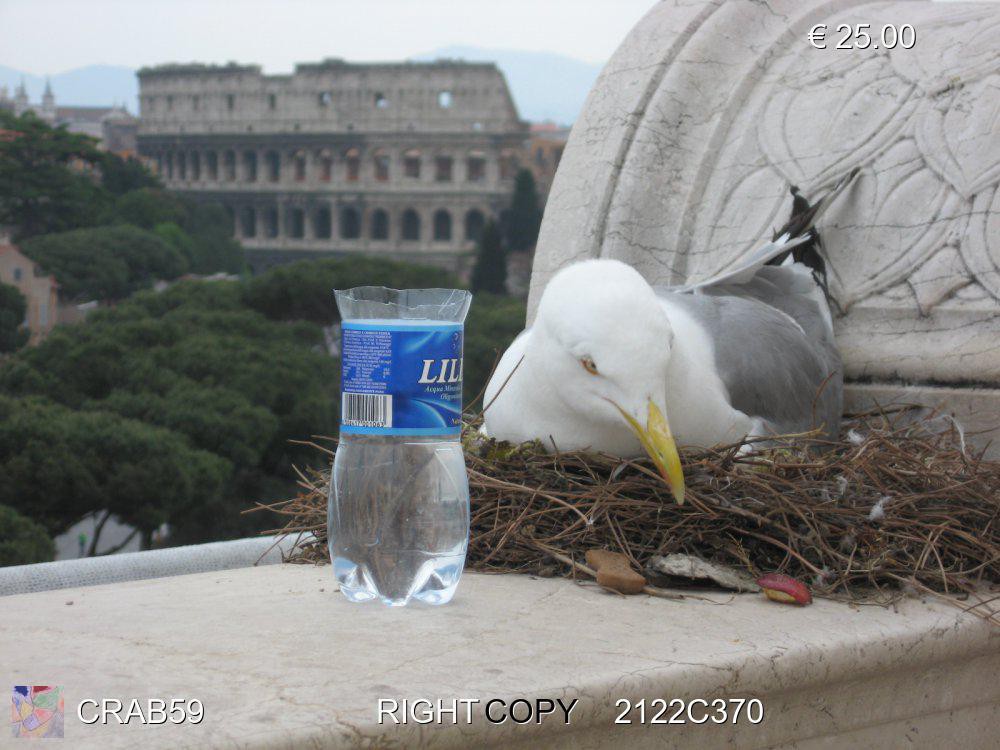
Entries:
{"x":588,"y":365}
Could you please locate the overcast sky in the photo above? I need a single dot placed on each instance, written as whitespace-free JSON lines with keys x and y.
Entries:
{"x":46,"y":37}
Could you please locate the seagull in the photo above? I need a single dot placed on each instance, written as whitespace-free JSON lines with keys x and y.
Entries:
{"x":615,"y":365}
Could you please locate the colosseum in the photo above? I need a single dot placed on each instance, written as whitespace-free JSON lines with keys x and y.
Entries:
{"x":402,"y":160}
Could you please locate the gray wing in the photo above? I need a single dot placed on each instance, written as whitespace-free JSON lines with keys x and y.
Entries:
{"x":745,"y":271}
{"x":774,"y":347}
{"x":797,"y":231}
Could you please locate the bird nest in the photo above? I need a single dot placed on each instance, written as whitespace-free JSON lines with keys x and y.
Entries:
{"x":898,"y":504}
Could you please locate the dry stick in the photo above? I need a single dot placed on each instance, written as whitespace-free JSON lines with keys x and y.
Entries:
{"x":547,"y":496}
{"x":486,"y":384}
{"x":502,"y":386}
{"x":651,"y":590}
{"x":940,"y":531}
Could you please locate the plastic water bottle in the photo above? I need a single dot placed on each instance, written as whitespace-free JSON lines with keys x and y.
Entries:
{"x":398,"y":512}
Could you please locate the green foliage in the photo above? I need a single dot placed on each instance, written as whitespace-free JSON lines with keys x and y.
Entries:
{"x":146,"y":207}
{"x":64,"y":464}
{"x":52,"y":181}
{"x":120,"y":176}
{"x":194,"y":363}
{"x":201,"y":231}
{"x":13,"y":307}
{"x":105,"y":263}
{"x":489,"y":274}
{"x":214,"y":248}
{"x":23,"y":541}
{"x":524,"y":217}
{"x":217,"y":419}
{"x":39,"y":192}
{"x":181,"y":406}
{"x":304,"y":290}
{"x":493,"y":323}
{"x":177,"y":238}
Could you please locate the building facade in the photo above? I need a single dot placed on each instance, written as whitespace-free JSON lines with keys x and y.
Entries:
{"x":114,"y":127}
{"x":545,"y":150}
{"x":40,"y":290}
{"x":404,"y":160}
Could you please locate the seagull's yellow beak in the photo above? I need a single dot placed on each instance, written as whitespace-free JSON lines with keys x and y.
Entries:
{"x":659,"y":444}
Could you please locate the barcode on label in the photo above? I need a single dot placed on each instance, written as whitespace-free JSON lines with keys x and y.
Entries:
{"x":366,"y":410}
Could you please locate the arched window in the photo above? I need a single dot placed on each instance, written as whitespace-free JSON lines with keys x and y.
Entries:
{"x":442,"y":225}
{"x":322,"y":223}
{"x":350,"y":223}
{"x":508,"y":164}
{"x":212,"y":165}
{"x":271,"y":222}
{"x":181,"y":166}
{"x":300,"y":166}
{"x":474,"y":223}
{"x":443,"y":168}
{"x":273,"y":165}
{"x":297,"y":223}
{"x":381,"y":160}
{"x":352,"y":161}
{"x":411,"y":225}
{"x":325,"y":166}
{"x":248,"y":220}
{"x":475,"y":166}
{"x":411,"y":163}
{"x":380,"y":224}
{"x":195,"y":166}
{"x":250,"y":166}
{"x":229,"y":165}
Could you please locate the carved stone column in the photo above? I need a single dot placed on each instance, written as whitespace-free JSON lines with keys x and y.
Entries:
{"x":681,"y":160}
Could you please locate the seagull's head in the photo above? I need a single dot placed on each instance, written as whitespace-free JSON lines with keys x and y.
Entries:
{"x":606,"y":343}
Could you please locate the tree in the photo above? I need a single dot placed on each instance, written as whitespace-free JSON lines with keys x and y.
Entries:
{"x":23,"y":541}
{"x":194,"y":363}
{"x":48,"y":178}
{"x":173,"y":235}
{"x":493,"y":323}
{"x":64,"y":464}
{"x":119,"y":176}
{"x":489,"y":274}
{"x":304,"y":290}
{"x":202,"y":231}
{"x":148,"y":207}
{"x":222,"y":376}
{"x":13,"y":307}
{"x":214,"y":248}
{"x":524,"y":217}
{"x":105,"y":263}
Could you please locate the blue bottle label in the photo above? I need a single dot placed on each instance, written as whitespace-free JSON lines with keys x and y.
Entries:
{"x":401,"y":379}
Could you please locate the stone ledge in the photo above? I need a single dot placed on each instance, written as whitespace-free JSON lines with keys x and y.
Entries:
{"x":279,"y":659}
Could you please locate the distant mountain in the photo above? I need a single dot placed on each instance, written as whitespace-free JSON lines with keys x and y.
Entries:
{"x":545,"y":86}
{"x":94,"y":85}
